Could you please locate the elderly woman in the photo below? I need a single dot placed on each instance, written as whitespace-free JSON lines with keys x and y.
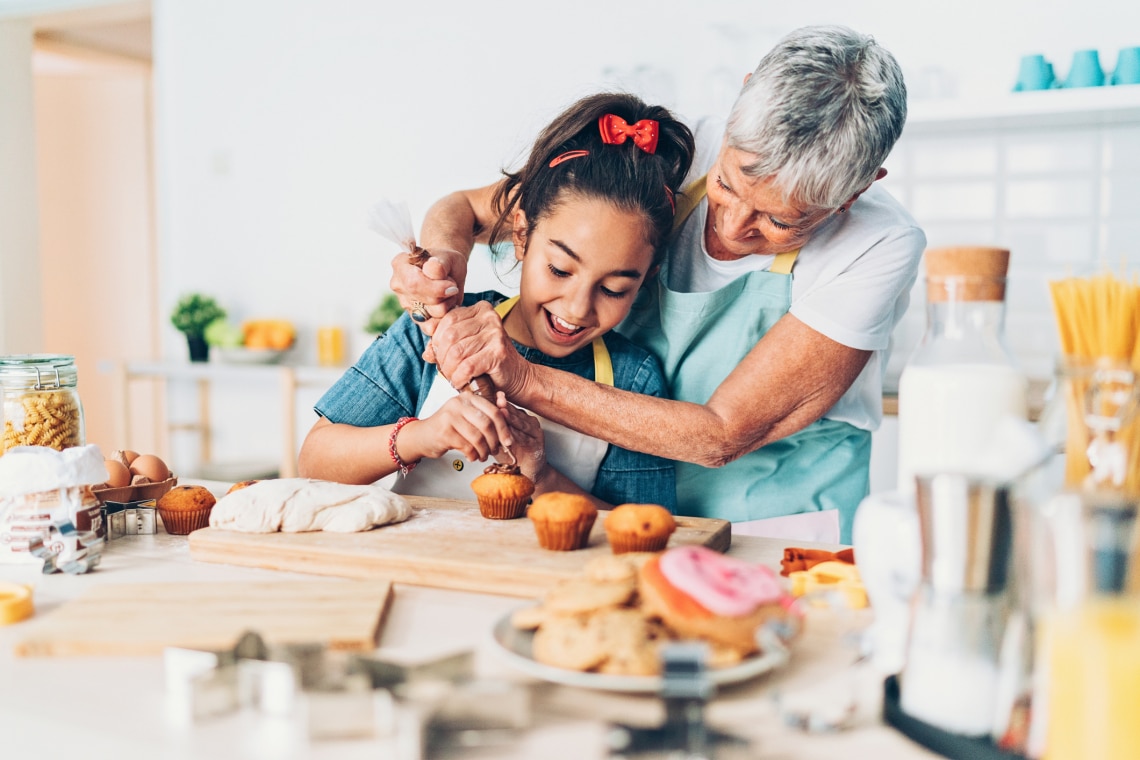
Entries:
{"x":772,"y":315}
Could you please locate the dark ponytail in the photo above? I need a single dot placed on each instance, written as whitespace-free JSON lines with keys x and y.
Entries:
{"x":624,"y":175}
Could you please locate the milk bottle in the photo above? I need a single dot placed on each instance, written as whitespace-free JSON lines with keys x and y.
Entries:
{"x":961,"y":381}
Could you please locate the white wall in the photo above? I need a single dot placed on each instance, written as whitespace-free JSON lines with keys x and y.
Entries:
{"x":278,"y":122}
{"x":93,"y":117}
{"x":21,"y":330}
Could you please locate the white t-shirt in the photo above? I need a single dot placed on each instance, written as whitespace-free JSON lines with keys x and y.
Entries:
{"x":851,"y":280}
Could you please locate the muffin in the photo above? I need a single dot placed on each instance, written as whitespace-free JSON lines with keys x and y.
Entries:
{"x":639,"y":528}
{"x":562,"y":521}
{"x":185,"y":509}
{"x":502,"y":492}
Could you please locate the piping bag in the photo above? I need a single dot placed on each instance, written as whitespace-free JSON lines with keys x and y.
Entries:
{"x":392,"y":220}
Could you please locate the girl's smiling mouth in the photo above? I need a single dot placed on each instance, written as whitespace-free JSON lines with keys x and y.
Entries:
{"x":560,"y":328}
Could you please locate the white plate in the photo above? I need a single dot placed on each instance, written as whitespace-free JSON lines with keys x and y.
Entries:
{"x":515,"y":647}
{"x":249,"y":355}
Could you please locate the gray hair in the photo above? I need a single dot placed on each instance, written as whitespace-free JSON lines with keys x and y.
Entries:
{"x":820,"y":113}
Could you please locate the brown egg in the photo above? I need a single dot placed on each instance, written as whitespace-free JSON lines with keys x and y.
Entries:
{"x":126,"y":456}
{"x":117,"y":474}
{"x":150,"y":466}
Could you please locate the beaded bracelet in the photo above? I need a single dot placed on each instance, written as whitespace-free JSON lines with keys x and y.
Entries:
{"x":400,"y":463}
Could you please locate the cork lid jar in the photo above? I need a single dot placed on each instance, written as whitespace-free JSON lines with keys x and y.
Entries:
{"x":966,"y":273}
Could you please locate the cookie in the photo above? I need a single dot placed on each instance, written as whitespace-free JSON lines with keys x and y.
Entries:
{"x":615,"y":617}
{"x":609,"y":569}
{"x":529,"y":618}
{"x":568,"y":642}
{"x":581,"y":595}
{"x":644,"y":661}
{"x":623,"y":635}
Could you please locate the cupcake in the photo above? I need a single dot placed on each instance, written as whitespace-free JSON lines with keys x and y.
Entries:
{"x":185,"y":509}
{"x":639,"y":528}
{"x":502,"y":492}
{"x":562,"y":521}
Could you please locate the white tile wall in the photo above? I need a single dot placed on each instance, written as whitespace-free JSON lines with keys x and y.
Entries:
{"x":1064,"y":199}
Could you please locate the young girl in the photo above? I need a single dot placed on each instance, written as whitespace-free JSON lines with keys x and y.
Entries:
{"x":587,"y":217}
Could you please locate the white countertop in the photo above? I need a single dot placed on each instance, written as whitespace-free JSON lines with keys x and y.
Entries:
{"x":89,"y":708}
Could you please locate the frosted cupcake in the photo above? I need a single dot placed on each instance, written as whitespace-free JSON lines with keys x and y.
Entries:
{"x":502,"y":492}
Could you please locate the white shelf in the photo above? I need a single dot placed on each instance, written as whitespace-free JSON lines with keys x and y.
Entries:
{"x":185,"y":370}
{"x":1077,"y":107}
{"x":287,"y":378}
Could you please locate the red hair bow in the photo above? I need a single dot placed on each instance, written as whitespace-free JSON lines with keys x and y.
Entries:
{"x":615,"y":129}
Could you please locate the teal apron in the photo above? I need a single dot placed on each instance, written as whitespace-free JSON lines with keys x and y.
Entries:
{"x":699,"y":339}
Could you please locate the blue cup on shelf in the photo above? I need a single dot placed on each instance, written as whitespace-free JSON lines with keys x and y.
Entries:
{"x":1127,"y":69}
{"x":1033,"y":73}
{"x":1085,"y":70}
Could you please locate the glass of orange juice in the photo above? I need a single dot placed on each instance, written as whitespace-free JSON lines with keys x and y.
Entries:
{"x":1093,"y":666}
{"x":1094,"y":681}
{"x":330,"y":346}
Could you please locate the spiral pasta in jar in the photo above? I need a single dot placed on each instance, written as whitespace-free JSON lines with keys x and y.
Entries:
{"x":41,"y":402}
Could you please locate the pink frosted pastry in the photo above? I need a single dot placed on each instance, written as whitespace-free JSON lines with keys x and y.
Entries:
{"x":720,"y":584}
{"x":700,"y":594}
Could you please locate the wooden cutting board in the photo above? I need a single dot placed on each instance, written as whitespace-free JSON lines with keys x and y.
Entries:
{"x":446,"y":544}
{"x":139,"y":619}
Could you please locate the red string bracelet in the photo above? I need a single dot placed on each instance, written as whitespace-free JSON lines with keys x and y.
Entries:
{"x":404,"y":467}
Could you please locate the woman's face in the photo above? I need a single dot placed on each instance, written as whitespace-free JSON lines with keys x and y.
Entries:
{"x":581,"y":268}
{"x":749,"y":216}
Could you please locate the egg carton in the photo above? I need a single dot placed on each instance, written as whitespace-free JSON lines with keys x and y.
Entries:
{"x":131,"y":494}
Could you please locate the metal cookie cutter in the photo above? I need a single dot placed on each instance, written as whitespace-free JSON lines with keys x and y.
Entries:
{"x":347,"y":695}
{"x":132,"y":518}
{"x":686,"y":689}
{"x":447,"y":708}
{"x":334,"y":697}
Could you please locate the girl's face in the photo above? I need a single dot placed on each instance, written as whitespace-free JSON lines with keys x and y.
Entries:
{"x":581,"y":269}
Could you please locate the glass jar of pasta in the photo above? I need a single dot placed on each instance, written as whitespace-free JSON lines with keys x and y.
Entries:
{"x":41,"y":405}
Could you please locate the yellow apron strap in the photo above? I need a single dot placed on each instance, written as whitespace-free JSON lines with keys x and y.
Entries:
{"x":688,"y":201}
{"x":603,"y":365}
{"x":692,"y":196}
{"x":504,"y":308}
{"x":783,"y":262}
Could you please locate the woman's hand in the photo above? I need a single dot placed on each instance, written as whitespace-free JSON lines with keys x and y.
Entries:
{"x":469,"y":424}
{"x":471,"y":341}
{"x":438,"y":285}
{"x":529,"y":445}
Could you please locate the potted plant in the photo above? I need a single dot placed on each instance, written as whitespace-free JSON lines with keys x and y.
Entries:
{"x":385,"y":313}
{"x":191,"y":315}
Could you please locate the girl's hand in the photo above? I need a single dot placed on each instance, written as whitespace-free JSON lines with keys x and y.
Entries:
{"x":438,"y":285}
{"x":471,"y":425}
{"x":471,"y":341}
{"x":529,"y":445}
